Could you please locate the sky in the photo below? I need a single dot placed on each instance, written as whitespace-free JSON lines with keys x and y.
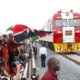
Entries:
{"x":32,"y":13}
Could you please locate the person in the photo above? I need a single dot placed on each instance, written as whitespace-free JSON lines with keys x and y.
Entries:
{"x":35,"y":50}
{"x":6,"y":72}
{"x":12,"y":47}
{"x":43,"y":55}
{"x":5,"y":51}
{"x":1,"y":48}
{"x":34,"y":75}
{"x":53,"y":66}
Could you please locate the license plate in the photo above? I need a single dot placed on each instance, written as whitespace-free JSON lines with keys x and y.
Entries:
{"x":68,"y":33}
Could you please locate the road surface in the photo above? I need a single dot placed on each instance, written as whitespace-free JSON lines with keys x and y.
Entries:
{"x":68,"y":70}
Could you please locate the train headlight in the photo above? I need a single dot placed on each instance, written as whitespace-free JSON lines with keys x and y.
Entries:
{"x":78,"y":31}
{"x":67,"y":13}
{"x":59,"y":32}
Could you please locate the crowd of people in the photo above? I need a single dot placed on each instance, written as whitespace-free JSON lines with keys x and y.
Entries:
{"x":12,"y":56}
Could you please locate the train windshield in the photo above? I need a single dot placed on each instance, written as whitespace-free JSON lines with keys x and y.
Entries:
{"x":61,"y":23}
{"x":74,"y":22}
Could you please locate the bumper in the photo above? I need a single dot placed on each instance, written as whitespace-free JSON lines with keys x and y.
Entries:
{"x":67,"y":47}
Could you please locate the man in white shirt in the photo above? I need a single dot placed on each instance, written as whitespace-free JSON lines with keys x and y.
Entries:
{"x":43,"y":55}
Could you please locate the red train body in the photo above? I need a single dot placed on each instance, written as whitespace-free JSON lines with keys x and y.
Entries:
{"x":66,"y":31}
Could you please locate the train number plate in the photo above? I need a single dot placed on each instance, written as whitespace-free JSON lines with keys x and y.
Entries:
{"x":68,"y":33}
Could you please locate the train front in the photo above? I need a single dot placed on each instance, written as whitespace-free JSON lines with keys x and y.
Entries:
{"x":66,"y":31}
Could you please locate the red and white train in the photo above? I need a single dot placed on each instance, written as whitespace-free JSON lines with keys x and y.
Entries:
{"x":66,"y":31}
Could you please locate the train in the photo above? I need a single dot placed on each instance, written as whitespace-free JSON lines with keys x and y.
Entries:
{"x":65,"y":25}
{"x":66,"y":31}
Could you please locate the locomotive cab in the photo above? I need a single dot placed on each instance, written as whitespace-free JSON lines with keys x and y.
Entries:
{"x":66,"y":31}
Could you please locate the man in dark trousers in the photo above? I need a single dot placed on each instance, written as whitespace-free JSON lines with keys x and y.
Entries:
{"x":53,"y":66}
{"x":35,"y":50}
{"x":43,"y":55}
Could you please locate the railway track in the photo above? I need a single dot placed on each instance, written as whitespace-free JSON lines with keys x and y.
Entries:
{"x":75,"y":57}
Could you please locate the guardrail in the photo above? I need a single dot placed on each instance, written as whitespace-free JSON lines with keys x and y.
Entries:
{"x":24,"y":75}
{"x":34,"y":75}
